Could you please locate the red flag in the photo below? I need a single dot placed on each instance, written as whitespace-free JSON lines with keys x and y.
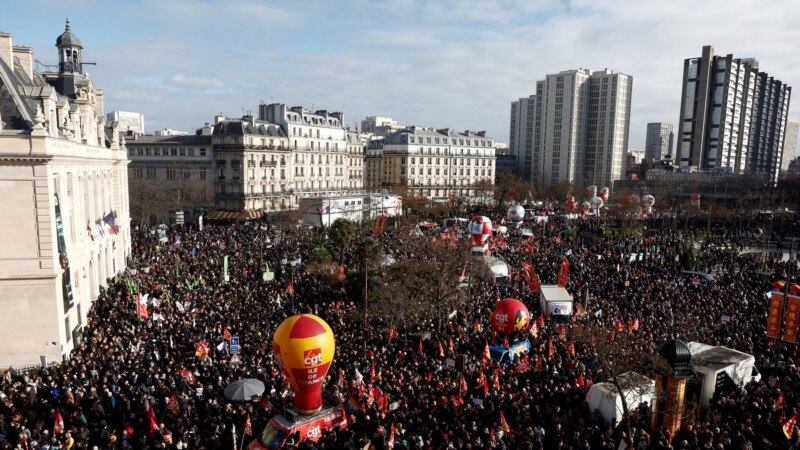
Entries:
{"x":581,"y":380}
{"x":441,"y":349}
{"x":290,"y":288}
{"x":563,"y":332}
{"x":187,"y":375}
{"x":486,"y":357}
{"x":485,"y":389}
{"x":630,"y":326}
{"x":141,"y":308}
{"x":450,"y":347}
{"x":201,"y":350}
{"x":781,"y":402}
{"x":540,"y":320}
{"x":620,"y":326}
{"x":390,"y":441}
{"x":58,"y":426}
{"x":612,"y":335}
{"x":419,"y":347}
{"x":788,"y":427}
{"x":173,"y":405}
{"x":530,"y":276}
{"x":340,"y":380}
{"x":392,"y":333}
{"x":539,"y":364}
{"x":563,"y":272}
{"x":372,"y":370}
{"x":524,"y":364}
{"x":571,"y":348}
{"x":248,"y":427}
{"x":503,"y":423}
{"x":476,"y":326}
{"x":505,"y":341}
{"x":226,"y":333}
{"x":151,"y":416}
{"x":550,"y":349}
{"x":464,"y":387}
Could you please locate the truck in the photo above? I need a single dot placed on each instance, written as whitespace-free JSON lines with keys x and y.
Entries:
{"x":296,"y":428}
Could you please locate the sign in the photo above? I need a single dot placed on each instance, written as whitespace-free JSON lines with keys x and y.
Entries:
{"x":179,"y":217}
{"x":792,"y":314}
{"x":66,"y":283}
{"x":234,"y":345}
{"x":775,"y":318}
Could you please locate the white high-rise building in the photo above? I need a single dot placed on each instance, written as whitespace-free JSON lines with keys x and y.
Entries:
{"x":520,"y":139}
{"x":790,"y":144}
{"x":126,"y":121}
{"x":659,"y":139}
{"x":578,"y":123}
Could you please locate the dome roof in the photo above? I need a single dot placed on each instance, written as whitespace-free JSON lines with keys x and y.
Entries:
{"x":677,"y":356}
{"x":68,"y":39}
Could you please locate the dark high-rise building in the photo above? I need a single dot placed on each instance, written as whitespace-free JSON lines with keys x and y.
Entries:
{"x":733,"y":116}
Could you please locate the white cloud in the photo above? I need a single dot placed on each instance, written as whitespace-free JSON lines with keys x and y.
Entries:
{"x":198,"y":83}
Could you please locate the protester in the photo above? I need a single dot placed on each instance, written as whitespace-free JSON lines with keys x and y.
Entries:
{"x":140,"y":377}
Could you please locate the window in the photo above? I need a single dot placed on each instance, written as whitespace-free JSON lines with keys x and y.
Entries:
{"x":174,"y":152}
{"x":202,"y":173}
{"x":171,"y":172}
{"x":151,"y":173}
{"x":190,"y":152}
{"x":185,"y":173}
{"x":136,"y":172}
{"x":182,"y":152}
{"x":202,"y":152}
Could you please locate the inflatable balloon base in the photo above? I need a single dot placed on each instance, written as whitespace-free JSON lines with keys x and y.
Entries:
{"x":501,"y":354}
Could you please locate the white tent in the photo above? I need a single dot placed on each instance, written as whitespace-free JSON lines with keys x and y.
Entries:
{"x":605,"y":398}
{"x":498,"y":266}
{"x":717,"y":365}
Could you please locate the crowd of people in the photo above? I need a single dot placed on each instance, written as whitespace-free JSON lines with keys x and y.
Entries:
{"x":137,"y":380}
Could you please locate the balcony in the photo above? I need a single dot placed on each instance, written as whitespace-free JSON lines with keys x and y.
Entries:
{"x":268,"y":164}
{"x":251,"y":163}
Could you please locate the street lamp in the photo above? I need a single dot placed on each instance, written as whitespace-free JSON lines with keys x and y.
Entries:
{"x":293,"y":263}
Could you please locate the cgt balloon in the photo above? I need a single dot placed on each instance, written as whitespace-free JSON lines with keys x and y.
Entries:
{"x":303,"y":346}
{"x":510,"y":316}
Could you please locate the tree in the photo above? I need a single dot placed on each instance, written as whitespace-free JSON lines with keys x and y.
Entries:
{"x":423,"y":284}
{"x":559,"y":191}
{"x":510,"y":187}
{"x":368,"y":250}
{"x":341,"y":234}
{"x":484,"y":191}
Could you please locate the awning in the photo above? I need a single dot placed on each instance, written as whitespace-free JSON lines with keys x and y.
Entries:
{"x":234,"y":215}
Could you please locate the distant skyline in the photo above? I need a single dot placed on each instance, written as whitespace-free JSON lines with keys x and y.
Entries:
{"x":455,"y":64}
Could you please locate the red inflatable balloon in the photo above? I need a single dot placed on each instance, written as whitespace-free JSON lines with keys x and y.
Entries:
{"x":510,"y":316}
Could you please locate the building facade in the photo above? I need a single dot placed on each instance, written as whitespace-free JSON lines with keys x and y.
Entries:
{"x":520,"y":138}
{"x":790,"y":144}
{"x":434,"y":163}
{"x":318,"y":144}
{"x":64,"y":187}
{"x":356,"y":148}
{"x":168,"y":174}
{"x":658,"y":143}
{"x":733,"y":117}
{"x":126,"y":121}
{"x":574,"y":129}
{"x":380,"y":126}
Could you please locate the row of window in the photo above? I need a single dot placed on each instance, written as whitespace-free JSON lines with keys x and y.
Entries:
{"x":453,"y":141}
{"x":159,"y":151}
{"x":170,"y":173}
{"x":412,"y":171}
{"x":456,"y":162}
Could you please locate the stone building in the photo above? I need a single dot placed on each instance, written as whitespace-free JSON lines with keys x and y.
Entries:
{"x":65,"y":224}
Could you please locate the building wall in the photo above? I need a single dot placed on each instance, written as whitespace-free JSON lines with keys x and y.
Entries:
{"x":431,"y":163}
{"x":659,"y":140}
{"x":732,"y":116}
{"x":789,"y":144}
{"x":57,"y":152}
{"x":521,"y":135}
{"x":127,"y":121}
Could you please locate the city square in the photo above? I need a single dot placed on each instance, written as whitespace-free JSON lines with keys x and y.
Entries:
{"x":288,"y":277}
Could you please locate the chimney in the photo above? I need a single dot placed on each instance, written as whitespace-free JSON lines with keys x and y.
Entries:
{"x":218,"y":118}
{"x":6,"y":49}
{"x":339,"y":115}
{"x":25,"y":56}
{"x":482,"y":133}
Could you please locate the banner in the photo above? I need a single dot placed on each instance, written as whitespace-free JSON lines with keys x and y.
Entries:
{"x":775,"y":315}
{"x":530,"y":276}
{"x":66,"y":284}
{"x":563,"y":273}
{"x":790,"y":326}
{"x":225,"y":269}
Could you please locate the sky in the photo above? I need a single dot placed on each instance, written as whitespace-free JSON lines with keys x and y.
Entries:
{"x":442,"y":63}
